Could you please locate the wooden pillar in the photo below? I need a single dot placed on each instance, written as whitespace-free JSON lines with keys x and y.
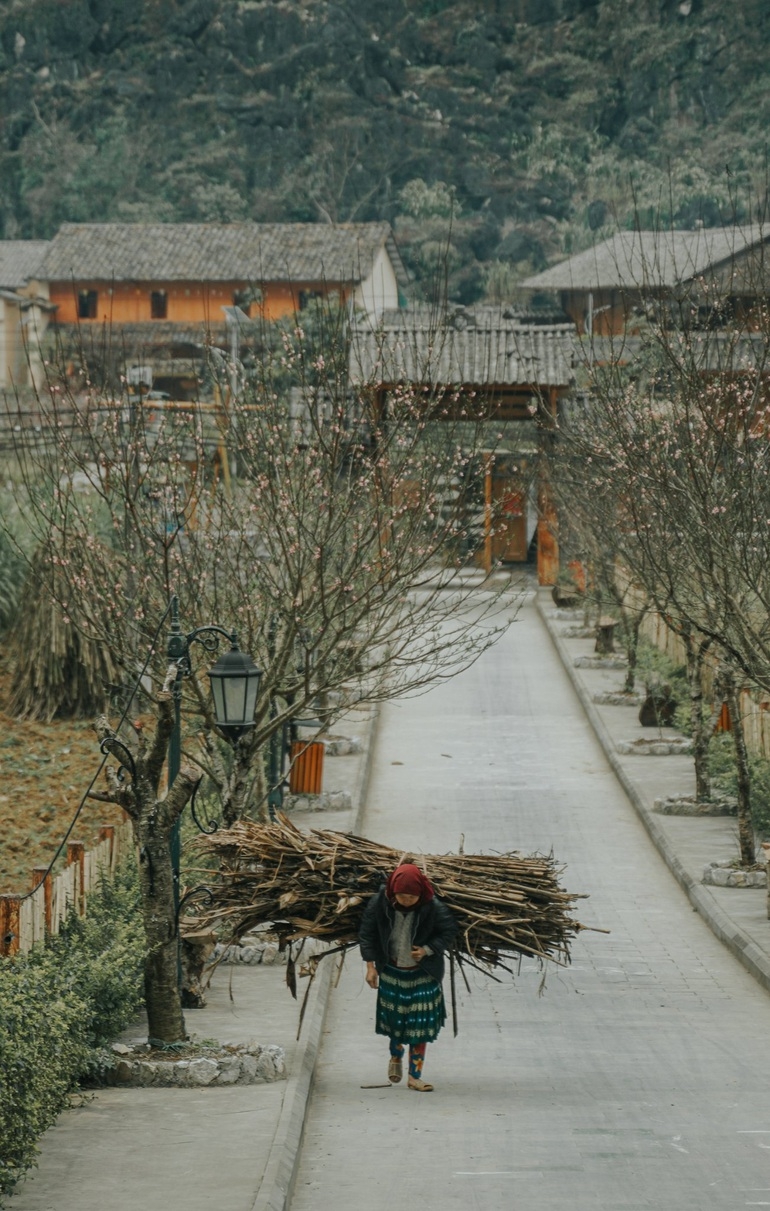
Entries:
{"x":547,"y":525}
{"x":76,"y":856}
{"x":41,"y":874}
{"x":107,"y":833}
{"x":488,"y":513}
{"x":10,"y":914}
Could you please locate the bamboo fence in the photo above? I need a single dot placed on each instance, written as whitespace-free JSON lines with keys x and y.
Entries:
{"x":25,"y":920}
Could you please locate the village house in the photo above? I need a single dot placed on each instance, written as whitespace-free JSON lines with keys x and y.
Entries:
{"x":24,"y":312}
{"x":158,"y":293}
{"x":711,"y":275}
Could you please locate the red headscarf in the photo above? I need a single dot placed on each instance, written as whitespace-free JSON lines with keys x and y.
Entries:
{"x":410,"y":881}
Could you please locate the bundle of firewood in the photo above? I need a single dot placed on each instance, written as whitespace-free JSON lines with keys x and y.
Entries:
{"x":315,"y":885}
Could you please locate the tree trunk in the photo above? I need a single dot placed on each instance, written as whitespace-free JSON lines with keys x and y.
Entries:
{"x":631,"y":637}
{"x":745,"y":826}
{"x":165,"y":1020}
{"x":700,"y":728}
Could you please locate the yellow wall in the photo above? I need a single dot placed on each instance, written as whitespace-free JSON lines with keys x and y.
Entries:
{"x":129,"y":302}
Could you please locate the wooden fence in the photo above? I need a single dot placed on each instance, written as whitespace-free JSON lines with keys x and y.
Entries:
{"x":755,"y":706}
{"x":26,"y":920}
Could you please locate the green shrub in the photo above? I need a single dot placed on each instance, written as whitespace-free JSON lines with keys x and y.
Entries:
{"x":724,"y":777}
{"x":57,"y":1004}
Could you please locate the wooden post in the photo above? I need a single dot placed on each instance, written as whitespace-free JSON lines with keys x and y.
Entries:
{"x":547,"y":540}
{"x":76,"y":856}
{"x":107,"y":833}
{"x":488,"y":514}
{"x":41,"y":874}
{"x":10,"y":911}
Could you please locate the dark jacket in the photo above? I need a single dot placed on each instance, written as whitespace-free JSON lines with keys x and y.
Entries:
{"x":434,"y":926}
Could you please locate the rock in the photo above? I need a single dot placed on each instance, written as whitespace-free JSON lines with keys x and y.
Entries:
{"x":121,"y":1049}
{"x":148,"y":1073}
{"x":270,"y":952}
{"x":125,"y":1072}
{"x":248,"y":1070}
{"x":278,"y":1056}
{"x":229,"y":1070}
{"x":202,"y":1072}
{"x":266,"y":1066}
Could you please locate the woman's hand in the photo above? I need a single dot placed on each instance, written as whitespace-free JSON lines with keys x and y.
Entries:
{"x":372,"y":978}
{"x":418,"y":953}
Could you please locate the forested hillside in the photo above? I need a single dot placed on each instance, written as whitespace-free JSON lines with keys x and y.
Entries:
{"x":535,"y":123}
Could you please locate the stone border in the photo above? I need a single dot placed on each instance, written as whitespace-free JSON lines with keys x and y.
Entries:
{"x":280,"y":1173}
{"x":655,"y":746}
{"x":724,"y":874}
{"x":244,"y":1064}
{"x":741,"y":945}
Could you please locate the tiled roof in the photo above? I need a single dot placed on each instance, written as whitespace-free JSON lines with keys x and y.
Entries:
{"x":223,"y":252}
{"x":19,"y":261}
{"x":481,"y":346}
{"x":644,"y":259}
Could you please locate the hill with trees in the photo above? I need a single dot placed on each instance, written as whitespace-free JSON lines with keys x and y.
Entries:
{"x":517,"y":131}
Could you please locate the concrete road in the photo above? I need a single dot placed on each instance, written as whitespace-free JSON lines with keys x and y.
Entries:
{"x":639,"y":1078}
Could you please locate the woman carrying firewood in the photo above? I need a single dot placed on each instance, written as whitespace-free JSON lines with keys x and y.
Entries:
{"x":404,"y":933}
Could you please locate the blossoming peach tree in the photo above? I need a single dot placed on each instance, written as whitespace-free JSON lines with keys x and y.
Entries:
{"x":321,"y":523}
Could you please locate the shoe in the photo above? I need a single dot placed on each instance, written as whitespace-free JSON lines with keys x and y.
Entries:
{"x":395,"y":1069}
{"x":419,"y":1086}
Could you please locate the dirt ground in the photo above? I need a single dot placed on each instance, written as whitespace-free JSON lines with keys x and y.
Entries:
{"x":44,"y":770}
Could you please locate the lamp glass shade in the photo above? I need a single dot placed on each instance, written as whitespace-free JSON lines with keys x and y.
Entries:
{"x":235,"y":682}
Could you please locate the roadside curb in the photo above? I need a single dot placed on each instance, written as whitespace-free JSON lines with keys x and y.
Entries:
{"x":745,"y":949}
{"x":277,"y":1185}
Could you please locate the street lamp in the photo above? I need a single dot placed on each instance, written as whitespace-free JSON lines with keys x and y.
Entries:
{"x":234,"y":686}
{"x":235,"y":681}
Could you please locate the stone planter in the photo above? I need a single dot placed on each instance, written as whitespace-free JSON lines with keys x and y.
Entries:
{"x":724,"y":874}
{"x":616,"y":698}
{"x":328,"y":801}
{"x":600,"y":662}
{"x":140,"y":1066}
{"x":685,"y":805}
{"x":342,"y":746}
{"x":680,"y":746}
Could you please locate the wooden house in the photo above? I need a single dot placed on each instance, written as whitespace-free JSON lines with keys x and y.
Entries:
{"x":24,"y":312}
{"x":717,"y":274}
{"x":496,"y":361}
{"x":161,"y":289}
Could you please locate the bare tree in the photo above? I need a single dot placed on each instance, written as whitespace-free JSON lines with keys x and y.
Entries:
{"x":153,"y":817}
{"x":322,"y":525}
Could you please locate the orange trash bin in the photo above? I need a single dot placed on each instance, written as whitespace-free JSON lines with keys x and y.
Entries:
{"x":307,"y":767}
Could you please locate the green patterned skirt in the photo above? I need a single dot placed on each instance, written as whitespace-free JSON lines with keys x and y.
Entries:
{"x":410,"y":1006}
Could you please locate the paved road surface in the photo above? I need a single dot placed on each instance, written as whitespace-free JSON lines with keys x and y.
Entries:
{"x":639,"y":1080}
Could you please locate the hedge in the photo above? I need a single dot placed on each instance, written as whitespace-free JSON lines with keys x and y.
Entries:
{"x":58,"y":1005}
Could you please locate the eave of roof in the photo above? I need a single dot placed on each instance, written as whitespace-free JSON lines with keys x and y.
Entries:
{"x":222,"y":252}
{"x":473,"y":347}
{"x":19,"y":261}
{"x":639,"y":260}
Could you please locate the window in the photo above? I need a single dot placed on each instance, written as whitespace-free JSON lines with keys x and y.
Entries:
{"x":307,"y":296}
{"x":88,"y":303}
{"x":158,"y":304}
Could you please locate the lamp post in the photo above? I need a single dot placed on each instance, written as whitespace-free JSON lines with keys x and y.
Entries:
{"x":235,"y":682}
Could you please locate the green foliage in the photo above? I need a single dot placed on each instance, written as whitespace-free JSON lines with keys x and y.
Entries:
{"x":557,"y":121}
{"x":56,"y":1005}
{"x":423,"y":201}
{"x":723,"y":770}
{"x":654,"y":665}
